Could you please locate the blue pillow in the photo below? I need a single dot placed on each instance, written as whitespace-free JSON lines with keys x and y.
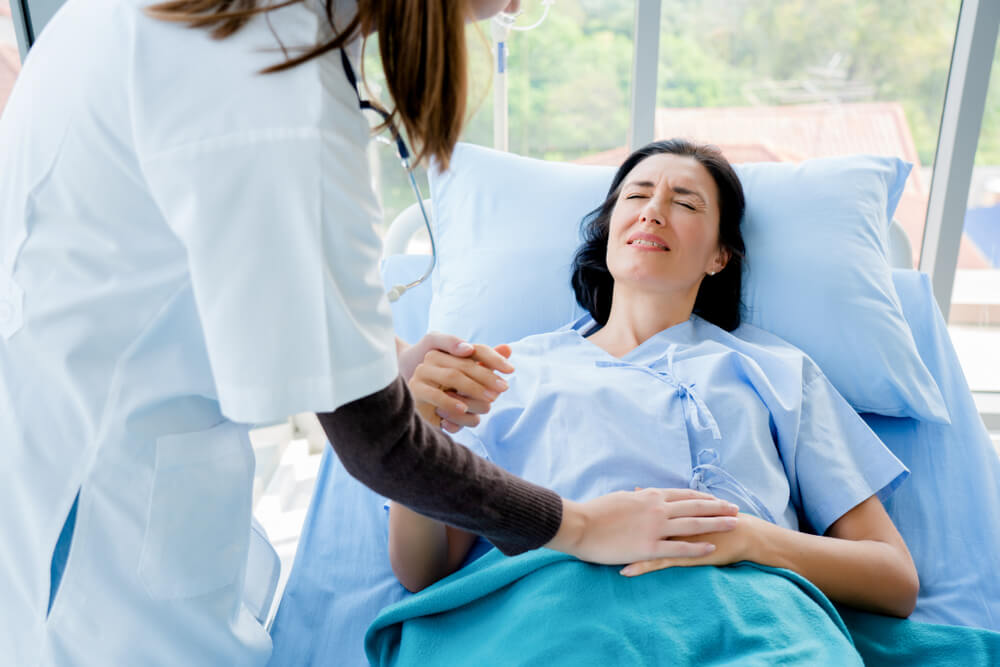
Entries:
{"x":817,"y":272}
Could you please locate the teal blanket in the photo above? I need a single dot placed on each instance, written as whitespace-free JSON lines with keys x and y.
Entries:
{"x":545,"y":608}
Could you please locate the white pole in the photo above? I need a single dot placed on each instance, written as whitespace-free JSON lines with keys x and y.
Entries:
{"x":645,"y":58}
{"x":501,"y":32}
{"x":961,"y":119}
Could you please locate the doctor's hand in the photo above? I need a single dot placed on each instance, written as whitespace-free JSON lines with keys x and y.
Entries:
{"x":731,"y":546}
{"x":626,"y":527}
{"x":451,"y":390}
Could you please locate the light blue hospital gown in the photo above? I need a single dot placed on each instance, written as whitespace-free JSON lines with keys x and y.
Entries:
{"x":742,"y":415}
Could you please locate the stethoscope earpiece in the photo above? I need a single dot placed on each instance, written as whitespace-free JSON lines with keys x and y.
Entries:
{"x":396,"y":292}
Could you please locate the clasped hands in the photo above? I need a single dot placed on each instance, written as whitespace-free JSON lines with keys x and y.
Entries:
{"x":453,"y":382}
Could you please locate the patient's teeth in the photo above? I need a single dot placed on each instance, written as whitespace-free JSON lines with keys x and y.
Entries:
{"x":647,"y":243}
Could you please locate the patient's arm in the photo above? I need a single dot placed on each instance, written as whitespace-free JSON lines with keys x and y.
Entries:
{"x":862,"y":560}
{"x":423,"y":550}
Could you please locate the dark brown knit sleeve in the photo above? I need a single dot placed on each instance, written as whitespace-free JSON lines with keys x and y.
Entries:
{"x":385,"y":444}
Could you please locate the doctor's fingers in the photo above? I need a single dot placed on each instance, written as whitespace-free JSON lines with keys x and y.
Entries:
{"x":702,"y":525}
{"x":670,"y":495}
{"x":461,"y":375}
{"x":700,"y":508}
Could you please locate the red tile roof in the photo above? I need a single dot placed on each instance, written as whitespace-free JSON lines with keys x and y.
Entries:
{"x":806,"y":131}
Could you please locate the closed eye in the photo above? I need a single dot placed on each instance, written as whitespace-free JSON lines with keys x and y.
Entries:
{"x":686,"y":205}
{"x":635,"y":196}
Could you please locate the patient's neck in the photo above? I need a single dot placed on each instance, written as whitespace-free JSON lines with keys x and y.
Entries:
{"x":637,"y":316}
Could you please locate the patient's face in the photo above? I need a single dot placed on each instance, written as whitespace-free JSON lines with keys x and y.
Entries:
{"x":664,"y":233}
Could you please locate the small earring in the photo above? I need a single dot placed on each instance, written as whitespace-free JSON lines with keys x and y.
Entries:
{"x":711,"y":273}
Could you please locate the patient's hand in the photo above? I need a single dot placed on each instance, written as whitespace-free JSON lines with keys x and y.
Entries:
{"x":451,"y":391}
{"x":730,"y":547}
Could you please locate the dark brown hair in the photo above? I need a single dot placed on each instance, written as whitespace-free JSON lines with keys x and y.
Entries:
{"x":718,"y":299}
{"x":421,"y":44}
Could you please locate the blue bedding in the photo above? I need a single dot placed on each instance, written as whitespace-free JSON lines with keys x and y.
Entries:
{"x":948,"y":510}
{"x":546,"y":608}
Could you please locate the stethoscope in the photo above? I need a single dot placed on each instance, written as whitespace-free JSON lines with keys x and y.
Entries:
{"x":404,"y":157}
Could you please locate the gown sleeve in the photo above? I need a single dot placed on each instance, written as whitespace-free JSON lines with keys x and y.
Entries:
{"x":837,"y":461}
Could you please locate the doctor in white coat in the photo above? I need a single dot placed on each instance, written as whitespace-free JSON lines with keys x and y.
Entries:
{"x":187,"y":247}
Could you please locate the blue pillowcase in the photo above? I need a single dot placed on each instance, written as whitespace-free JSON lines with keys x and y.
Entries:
{"x":817,"y":273}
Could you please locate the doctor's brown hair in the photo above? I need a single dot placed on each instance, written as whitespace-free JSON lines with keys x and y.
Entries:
{"x":421,"y":44}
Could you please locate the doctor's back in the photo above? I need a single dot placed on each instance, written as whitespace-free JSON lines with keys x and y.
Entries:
{"x":168,"y":220}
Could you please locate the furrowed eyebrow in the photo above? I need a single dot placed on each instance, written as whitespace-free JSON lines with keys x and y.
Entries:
{"x":692,"y":193}
{"x":651,"y":184}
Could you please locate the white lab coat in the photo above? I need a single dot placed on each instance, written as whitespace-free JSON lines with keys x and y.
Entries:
{"x":186,"y":247}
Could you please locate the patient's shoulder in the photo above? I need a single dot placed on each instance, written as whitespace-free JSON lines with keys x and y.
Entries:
{"x":755,"y":341}
{"x":545,"y":342}
{"x":757,"y":336}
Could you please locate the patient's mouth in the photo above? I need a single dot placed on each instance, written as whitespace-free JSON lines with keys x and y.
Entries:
{"x":652,"y":245}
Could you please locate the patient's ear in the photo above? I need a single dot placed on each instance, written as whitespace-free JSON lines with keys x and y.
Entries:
{"x":721,"y":259}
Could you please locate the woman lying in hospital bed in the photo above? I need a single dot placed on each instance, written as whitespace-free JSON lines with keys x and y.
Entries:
{"x":663,"y":387}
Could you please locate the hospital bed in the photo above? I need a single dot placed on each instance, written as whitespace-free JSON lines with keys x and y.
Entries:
{"x":948,"y":511}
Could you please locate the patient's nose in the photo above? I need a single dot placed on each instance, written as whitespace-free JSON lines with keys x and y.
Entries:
{"x":651,"y":216}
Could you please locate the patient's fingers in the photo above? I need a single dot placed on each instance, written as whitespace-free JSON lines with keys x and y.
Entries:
{"x":494,"y":358}
{"x":680,"y":560}
{"x":672,"y":552}
{"x":457,"y":419}
{"x":449,"y":427}
{"x":427,"y":393}
{"x":472,"y":406}
{"x":682,"y":508}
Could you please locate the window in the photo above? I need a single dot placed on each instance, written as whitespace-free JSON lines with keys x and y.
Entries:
{"x":974,"y":318}
{"x":568,"y":88}
{"x":796,"y":79}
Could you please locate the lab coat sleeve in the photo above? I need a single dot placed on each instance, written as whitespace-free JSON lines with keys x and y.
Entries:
{"x":278,"y":226}
{"x":838,"y":461}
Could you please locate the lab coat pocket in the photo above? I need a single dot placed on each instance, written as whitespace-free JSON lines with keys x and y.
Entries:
{"x":198,"y":519}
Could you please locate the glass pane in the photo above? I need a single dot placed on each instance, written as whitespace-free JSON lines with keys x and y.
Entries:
{"x":974,"y":319}
{"x":568,"y":88}
{"x":10,"y":59}
{"x":789,"y":80}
